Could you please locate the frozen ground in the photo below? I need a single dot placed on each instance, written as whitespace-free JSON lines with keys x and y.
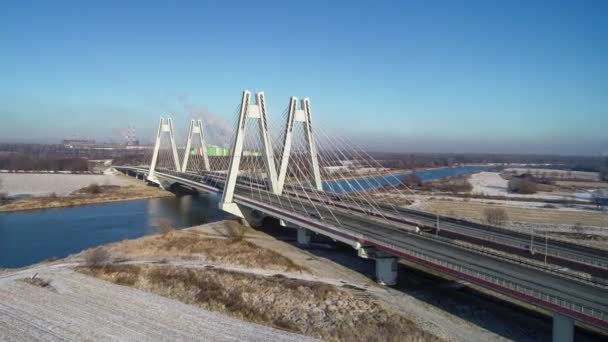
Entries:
{"x":562,"y":173}
{"x":23,"y":184}
{"x":80,"y":307}
{"x":492,"y":184}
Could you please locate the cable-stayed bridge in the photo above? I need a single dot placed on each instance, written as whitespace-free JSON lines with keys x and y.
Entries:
{"x":318,"y":182}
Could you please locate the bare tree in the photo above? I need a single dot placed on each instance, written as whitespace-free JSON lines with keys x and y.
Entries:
{"x":600,"y":200}
{"x":604,"y":174}
{"x":3,"y":195}
{"x":411,"y":179}
{"x":496,"y":216}
{"x":522,"y":186}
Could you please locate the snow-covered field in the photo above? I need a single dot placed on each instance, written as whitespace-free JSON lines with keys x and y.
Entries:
{"x":492,"y":184}
{"x":23,"y":184}
{"x":80,"y":308}
{"x":560,"y":173}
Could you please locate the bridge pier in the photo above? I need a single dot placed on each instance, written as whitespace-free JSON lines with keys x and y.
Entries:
{"x":303,"y":237}
{"x":386,"y":264}
{"x":563,"y":328}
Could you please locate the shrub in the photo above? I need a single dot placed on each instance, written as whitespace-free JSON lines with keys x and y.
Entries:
{"x":97,"y":257}
{"x":496,"y":216}
{"x":522,"y":186}
{"x":40,"y":282}
{"x":163,"y":226}
{"x":234,"y":231}
{"x":604,"y":174}
{"x":93,"y":188}
{"x":411,"y":179}
{"x":578,"y":228}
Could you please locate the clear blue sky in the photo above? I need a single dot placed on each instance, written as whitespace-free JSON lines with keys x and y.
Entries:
{"x":479,"y":76}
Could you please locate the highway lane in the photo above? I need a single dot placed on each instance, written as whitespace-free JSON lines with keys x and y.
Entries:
{"x":577,"y":257}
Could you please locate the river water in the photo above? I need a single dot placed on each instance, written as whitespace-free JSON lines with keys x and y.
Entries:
{"x":369,"y":183}
{"x":29,"y":237}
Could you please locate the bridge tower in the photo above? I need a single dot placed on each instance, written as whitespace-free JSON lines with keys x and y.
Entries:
{"x":163,"y":127}
{"x":299,"y":115}
{"x":257,"y":112}
{"x":196,"y":127}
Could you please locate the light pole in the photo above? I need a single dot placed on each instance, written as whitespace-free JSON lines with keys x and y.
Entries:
{"x":532,"y":242}
{"x":546,"y":247}
{"x":437,"y":226}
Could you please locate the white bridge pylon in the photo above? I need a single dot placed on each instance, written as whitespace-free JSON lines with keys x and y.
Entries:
{"x":257,"y":112}
{"x":163,"y":127}
{"x":303,"y":116}
{"x":196,"y":127}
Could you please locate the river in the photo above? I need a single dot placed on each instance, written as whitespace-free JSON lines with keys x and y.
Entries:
{"x":369,"y":183}
{"x":29,"y":237}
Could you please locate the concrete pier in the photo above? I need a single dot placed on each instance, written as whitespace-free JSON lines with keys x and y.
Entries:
{"x":386,"y":270}
{"x":386,"y":264}
{"x":563,"y":328}
{"x":303,"y":236}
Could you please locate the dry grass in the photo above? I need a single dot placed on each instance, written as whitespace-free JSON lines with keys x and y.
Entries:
{"x":99,"y":194}
{"x":475,"y":211}
{"x":191,"y":244}
{"x":315,"y":309}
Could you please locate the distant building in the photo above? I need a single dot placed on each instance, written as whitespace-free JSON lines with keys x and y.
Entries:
{"x":334,"y":169}
{"x":71,"y":143}
{"x":218,"y":151}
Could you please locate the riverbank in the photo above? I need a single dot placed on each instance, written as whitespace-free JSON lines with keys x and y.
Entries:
{"x":221,"y":269}
{"x":91,"y":194}
{"x":329,"y":293}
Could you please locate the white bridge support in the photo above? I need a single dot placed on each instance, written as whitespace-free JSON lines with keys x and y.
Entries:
{"x":563,"y":328}
{"x":302,"y":115}
{"x":196,"y":127}
{"x":163,"y":128}
{"x":303,"y":237}
{"x":386,"y":264}
{"x":258,"y":112}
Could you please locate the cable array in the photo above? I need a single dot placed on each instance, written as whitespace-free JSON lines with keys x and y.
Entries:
{"x":353,"y":182}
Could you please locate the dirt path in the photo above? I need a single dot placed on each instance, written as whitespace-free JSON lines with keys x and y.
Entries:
{"x":84,"y":308}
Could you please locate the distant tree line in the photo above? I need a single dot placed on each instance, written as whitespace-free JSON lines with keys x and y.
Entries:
{"x":62,"y":151}
{"x":19,"y":161}
{"x":420,"y":160}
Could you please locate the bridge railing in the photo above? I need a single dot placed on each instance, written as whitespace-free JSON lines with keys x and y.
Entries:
{"x":500,"y":283}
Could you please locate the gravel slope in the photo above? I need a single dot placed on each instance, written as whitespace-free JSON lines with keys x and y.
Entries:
{"x":85,"y":308}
